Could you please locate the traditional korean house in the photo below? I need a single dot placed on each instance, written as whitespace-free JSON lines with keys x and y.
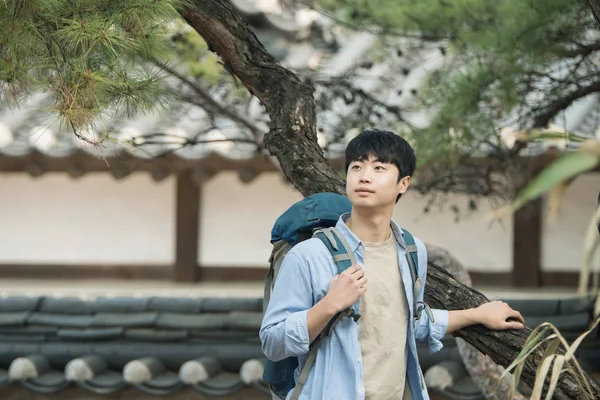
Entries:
{"x":72,"y":210}
{"x":203,"y":213}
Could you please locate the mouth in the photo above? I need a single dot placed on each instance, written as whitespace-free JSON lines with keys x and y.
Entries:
{"x":364,"y":191}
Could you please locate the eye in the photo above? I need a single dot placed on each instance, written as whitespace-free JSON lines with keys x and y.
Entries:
{"x":354,"y":167}
{"x":379,"y":168}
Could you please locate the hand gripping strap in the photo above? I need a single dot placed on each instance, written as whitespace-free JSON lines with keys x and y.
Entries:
{"x":344,"y":258}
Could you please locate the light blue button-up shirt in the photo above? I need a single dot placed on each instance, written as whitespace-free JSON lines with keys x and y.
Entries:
{"x":303,"y":281}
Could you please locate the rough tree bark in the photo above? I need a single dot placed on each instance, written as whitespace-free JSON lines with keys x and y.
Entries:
{"x":595,"y":6}
{"x":482,"y":369}
{"x":444,"y":291}
{"x":292,"y":140}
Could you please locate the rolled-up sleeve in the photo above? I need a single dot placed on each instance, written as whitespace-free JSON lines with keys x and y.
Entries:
{"x":432,"y":325}
{"x":284,"y":329}
{"x":432,"y":330}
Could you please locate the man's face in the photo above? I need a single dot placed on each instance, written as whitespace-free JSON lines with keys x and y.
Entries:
{"x":371,"y":183}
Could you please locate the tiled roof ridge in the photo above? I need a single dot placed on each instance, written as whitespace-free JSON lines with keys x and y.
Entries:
{"x":156,"y":344}
{"x":160,"y":345}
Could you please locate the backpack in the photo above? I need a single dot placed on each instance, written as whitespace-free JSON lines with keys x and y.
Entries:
{"x":315,"y":216}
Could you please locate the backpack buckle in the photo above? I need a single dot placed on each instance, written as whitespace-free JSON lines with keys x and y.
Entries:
{"x":422,"y":306}
{"x":355,"y":316}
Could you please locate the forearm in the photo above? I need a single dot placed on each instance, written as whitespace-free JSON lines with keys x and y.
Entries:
{"x":318,"y":317}
{"x":459,"y":319}
{"x":495,"y":315}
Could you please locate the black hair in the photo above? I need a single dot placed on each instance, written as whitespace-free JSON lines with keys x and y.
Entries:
{"x":387,"y":147}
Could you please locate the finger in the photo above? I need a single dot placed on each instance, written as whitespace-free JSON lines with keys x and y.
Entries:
{"x":358,"y":274}
{"x":352,"y":269}
{"x":517,"y":315}
{"x":514,"y":325}
{"x":358,"y":270}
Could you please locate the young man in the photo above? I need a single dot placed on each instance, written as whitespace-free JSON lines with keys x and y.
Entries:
{"x":376,"y":357}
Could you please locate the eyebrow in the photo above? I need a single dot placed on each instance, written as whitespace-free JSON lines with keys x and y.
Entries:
{"x":363,"y":159}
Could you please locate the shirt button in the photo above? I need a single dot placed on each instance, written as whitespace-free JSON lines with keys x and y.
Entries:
{"x":359,"y":359}
{"x":362,"y":390}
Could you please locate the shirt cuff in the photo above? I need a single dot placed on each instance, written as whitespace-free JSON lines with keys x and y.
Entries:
{"x":296,"y":333}
{"x":437,"y":329}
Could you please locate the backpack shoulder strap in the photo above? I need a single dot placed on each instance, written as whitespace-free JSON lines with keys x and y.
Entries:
{"x":343,"y":256}
{"x":338,"y":247}
{"x":412,"y":254}
{"x":280,"y":249}
{"x":344,"y":259}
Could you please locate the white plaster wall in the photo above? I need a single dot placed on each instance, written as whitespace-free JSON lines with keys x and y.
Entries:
{"x":97,"y":219}
{"x":247,"y":211}
{"x":253,"y":208}
{"x":91,"y":220}
{"x":480,"y":245}
{"x":562,"y":240}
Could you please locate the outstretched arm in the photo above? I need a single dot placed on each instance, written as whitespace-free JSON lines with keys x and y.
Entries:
{"x":495,"y":315}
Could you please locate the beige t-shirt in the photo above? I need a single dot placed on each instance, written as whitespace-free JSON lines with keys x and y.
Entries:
{"x":383,"y":324}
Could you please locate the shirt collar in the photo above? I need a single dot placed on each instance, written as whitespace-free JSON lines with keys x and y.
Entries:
{"x":355,"y":242}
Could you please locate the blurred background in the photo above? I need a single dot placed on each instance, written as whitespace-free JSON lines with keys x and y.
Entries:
{"x":142,"y":172}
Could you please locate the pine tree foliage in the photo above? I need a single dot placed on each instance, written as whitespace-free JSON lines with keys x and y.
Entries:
{"x":93,"y":58}
{"x":512,"y":63}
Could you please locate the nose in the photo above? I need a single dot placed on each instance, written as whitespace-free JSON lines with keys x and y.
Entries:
{"x":365,"y":177}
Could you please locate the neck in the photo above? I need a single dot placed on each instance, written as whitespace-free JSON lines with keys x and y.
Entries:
{"x":370,"y":227}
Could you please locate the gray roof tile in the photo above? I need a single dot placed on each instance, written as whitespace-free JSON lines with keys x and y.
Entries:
{"x":107,"y":379}
{"x":8,"y":337}
{"x":164,"y":381}
{"x":187,"y":321}
{"x":176,"y":305}
{"x":66,"y":305}
{"x":62,"y":320}
{"x":222,"y":329}
{"x":121,"y":304}
{"x":127,"y":319}
{"x":29,"y":329}
{"x":90,"y":334}
{"x":18,"y":303}
{"x":239,"y":320}
{"x":156,"y":335}
{"x":14,"y":318}
{"x":216,"y":305}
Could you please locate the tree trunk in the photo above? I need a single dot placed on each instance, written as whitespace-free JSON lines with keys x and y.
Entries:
{"x":289,"y":102}
{"x":293,"y":141}
{"x":482,"y":369}
{"x":444,"y":291}
{"x":595,"y":6}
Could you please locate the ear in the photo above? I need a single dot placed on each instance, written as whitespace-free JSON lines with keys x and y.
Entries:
{"x":403,"y":184}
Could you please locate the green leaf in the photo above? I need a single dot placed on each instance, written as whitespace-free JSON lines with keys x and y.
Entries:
{"x":556,"y":370}
{"x":540,"y":377}
{"x":556,"y":136}
{"x":567,"y":166}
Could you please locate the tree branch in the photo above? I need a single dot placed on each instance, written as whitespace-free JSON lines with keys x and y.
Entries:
{"x":595,"y":7}
{"x":444,"y":291}
{"x":542,"y":120}
{"x":582,"y":50}
{"x":289,"y":102}
{"x":344,"y":83}
{"x":293,"y":141}
{"x":210,"y":103}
